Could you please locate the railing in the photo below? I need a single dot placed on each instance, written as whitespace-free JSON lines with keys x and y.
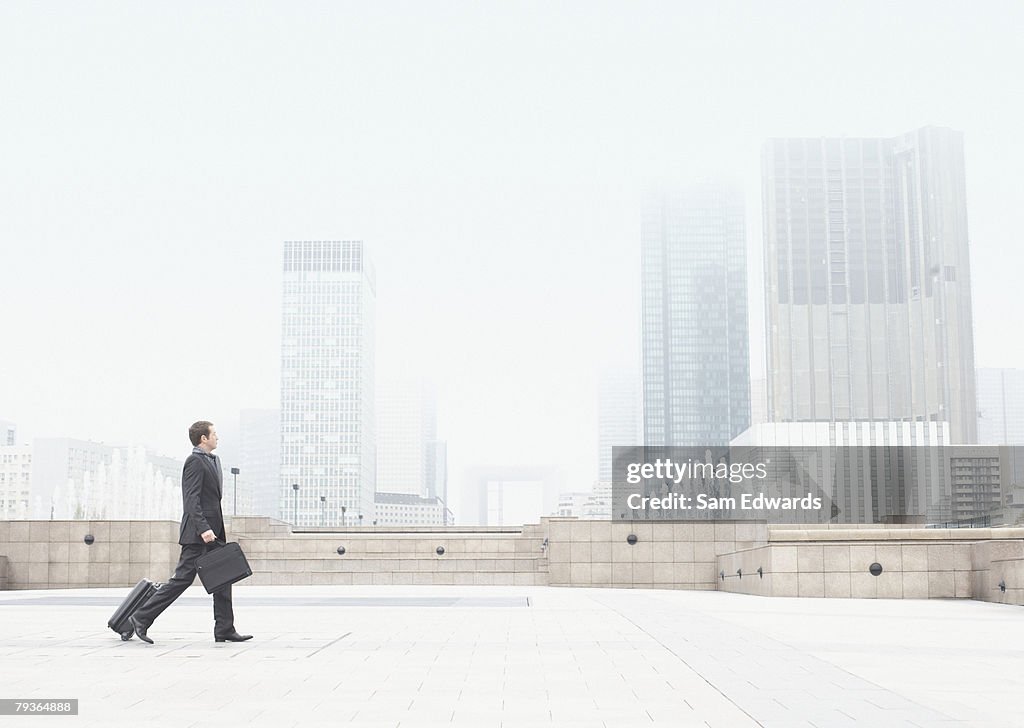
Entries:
{"x":977,"y":522}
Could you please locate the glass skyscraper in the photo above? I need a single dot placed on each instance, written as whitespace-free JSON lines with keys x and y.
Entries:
{"x":867,"y":281}
{"x":696,"y":372}
{"x":618,"y":416}
{"x":406,"y":437}
{"x":327,"y":384}
{"x":1001,"y":406}
{"x":259,"y":455}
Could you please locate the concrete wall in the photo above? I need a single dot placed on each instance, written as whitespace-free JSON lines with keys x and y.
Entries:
{"x":824,"y":561}
{"x":997,"y":561}
{"x":54,"y":555}
{"x":381,"y":555}
{"x":916,"y":564}
{"x":665,"y":555}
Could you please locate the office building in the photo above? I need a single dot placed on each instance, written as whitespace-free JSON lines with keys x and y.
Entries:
{"x":259,"y":482}
{"x":696,"y":373}
{"x":758,"y":401}
{"x":890,"y":472}
{"x":976,"y":482}
{"x":406,"y":433}
{"x":8,"y":433}
{"x":15,"y":482}
{"x":867,"y":281}
{"x":619,"y":419}
{"x":593,"y":504}
{"x":406,"y":509}
{"x":571,"y":504}
{"x":1000,"y":406}
{"x":437,"y":469}
{"x":328,"y":447}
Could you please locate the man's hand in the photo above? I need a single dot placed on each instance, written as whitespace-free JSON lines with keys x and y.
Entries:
{"x":208,"y":536}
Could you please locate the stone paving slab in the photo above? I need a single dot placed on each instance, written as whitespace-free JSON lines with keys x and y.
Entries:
{"x":518,"y":657}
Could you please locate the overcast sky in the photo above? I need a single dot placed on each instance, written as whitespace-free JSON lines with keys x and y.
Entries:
{"x":153,"y":157}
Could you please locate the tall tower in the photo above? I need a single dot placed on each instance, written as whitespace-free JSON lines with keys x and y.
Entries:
{"x":618,"y":416}
{"x":868,"y":287}
{"x":1001,"y":406}
{"x":327,"y":384}
{"x":406,"y":437}
{"x":696,"y":373}
{"x":259,"y":455}
{"x":8,"y":433}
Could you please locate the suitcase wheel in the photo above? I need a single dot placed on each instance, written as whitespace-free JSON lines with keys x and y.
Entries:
{"x":125,"y":636}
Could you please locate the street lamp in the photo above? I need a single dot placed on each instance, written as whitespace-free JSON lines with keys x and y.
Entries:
{"x":343,"y":509}
{"x":234,"y":473}
{"x":360,"y":519}
{"x":323,"y":510}
{"x":295,"y":512}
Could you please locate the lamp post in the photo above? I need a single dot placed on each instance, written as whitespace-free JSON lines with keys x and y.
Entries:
{"x":323,"y":510}
{"x":234,"y":474}
{"x":295,"y":511}
{"x":343,"y":509}
{"x":360,"y":519}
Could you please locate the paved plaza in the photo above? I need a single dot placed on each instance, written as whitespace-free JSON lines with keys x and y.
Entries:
{"x":517,"y":657}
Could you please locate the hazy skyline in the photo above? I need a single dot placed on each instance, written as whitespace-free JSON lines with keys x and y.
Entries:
{"x":492,"y":158}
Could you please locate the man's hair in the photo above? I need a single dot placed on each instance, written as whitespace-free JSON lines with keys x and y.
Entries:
{"x":197,"y":430}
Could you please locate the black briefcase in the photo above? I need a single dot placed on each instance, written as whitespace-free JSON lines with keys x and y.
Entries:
{"x":138,"y":596}
{"x":222,"y":566}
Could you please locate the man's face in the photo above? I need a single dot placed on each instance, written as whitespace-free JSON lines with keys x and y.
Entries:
{"x":209,"y":442}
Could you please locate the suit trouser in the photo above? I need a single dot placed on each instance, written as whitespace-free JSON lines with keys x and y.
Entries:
{"x":184,"y":575}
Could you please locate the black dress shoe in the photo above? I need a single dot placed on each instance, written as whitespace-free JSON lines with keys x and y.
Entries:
{"x":140,"y":630}
{"x":232,"y":637}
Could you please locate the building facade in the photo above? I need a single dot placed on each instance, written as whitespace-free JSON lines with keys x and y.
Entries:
{"x":867,"y":281}
{"x":758,"y":401}
{"x":976,"y":482}
{"x":571,"y":504}
{"x":8,"y":433}
{"x":15,"y":482}
{"x":1000,"y":406}
{"x":405,"y":509}
{"x":851,"y":466}
{"x":328,"y":447}
{"x":619,"y":418}
{"x":696,"y":373}
{"x":437,"y":470}
{"x":592,"y":504}
{"x":406,"y":433}
{"x":878,"y":472}
{"x":259,"y":483}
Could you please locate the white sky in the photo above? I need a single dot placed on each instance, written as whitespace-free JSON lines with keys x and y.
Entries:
{"x":154,"y":157}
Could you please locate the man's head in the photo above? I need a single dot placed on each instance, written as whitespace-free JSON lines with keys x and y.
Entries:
{"x":203,"y":435}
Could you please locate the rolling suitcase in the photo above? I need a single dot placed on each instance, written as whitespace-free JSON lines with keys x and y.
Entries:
{"x":138,"y":596}
{"x":222,"y":566}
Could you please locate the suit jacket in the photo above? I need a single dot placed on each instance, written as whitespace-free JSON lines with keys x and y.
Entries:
{"x":201,"y":483}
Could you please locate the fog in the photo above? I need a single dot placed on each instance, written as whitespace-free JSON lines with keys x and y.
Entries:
{"x":491,"y":155}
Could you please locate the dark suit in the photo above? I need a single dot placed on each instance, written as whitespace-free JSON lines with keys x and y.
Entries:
{"x":201,"y":482}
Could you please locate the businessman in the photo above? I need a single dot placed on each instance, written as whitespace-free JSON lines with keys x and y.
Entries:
{"x":201,"y":523}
